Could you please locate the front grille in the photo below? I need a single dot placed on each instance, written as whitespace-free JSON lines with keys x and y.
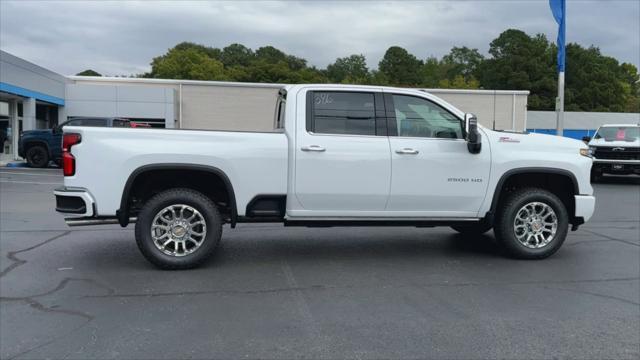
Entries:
{"x":608,"y":153}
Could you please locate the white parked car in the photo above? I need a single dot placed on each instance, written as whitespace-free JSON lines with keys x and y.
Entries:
{"x":615,"y":150}
{"x":338,"y":156}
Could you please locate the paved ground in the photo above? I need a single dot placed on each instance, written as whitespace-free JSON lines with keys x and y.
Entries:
{"x":274,"y":292}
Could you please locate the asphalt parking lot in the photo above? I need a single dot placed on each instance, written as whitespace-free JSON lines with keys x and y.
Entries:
{"x":275,"y":292}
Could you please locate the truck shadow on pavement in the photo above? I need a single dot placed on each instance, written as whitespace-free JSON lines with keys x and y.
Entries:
{"x":240,"y":249}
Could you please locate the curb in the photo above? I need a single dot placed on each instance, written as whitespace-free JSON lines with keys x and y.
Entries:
{"x":17,"y":165}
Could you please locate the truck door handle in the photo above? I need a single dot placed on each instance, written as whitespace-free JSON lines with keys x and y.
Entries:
{"x":407,"y":151}
{"x":316,"y":148}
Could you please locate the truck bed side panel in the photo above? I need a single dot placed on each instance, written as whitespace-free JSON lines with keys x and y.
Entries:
{"x":255,"y":163}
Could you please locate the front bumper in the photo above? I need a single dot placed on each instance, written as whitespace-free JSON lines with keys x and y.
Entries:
{"x":585,"y":206}
{"x":616,"y":166}
{"x":75,"y":202}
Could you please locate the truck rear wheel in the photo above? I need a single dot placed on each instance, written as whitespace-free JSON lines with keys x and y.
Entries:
{"x":178,"y":229}
{"x":37,"y":156}
{"x":531,"y":224}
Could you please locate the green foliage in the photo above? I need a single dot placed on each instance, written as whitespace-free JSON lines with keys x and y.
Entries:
{"x":89,"y":72}
{"x":522,"y":62}
{"x":187,"y":62}
{"x":462,"y":62}
{"x":517,"y":61}
{"x":352,"y":69}
{"x":400,"y":67}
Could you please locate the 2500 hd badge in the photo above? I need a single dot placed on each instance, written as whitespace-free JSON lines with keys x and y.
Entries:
{"x":475,"y":180}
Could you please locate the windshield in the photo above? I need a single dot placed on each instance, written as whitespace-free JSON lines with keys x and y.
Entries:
{"x":618,"y":133}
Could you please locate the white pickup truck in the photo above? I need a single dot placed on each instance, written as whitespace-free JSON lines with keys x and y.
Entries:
{"x":338,"y":156}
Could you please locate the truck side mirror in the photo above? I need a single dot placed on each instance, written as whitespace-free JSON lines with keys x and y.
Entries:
{"x":473,"y":137}
{"x":586,"y":138}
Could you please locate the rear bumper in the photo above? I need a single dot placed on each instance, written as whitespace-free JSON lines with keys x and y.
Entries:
{"x":75,"y":202}
{"x":585,"y":205}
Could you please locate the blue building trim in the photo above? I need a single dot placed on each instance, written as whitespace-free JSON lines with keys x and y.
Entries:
{"x":570,"y":133}
{"x":12,"y":89}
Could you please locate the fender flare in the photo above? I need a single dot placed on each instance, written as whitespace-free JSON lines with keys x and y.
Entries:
{"x":534,"y":170}
{"x":123,"y":213}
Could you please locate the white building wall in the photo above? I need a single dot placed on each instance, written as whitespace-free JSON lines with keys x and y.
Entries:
{"x":121,"y":101}
{"x":499,"y":109}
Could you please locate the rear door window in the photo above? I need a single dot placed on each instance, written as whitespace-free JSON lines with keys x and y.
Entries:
{"x":349,"y":113}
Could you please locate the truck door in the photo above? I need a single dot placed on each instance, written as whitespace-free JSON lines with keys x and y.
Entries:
{"x":434,"y":175}
{"x":342,"y":155}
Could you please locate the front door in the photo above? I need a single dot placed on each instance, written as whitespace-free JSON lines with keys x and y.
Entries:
{"x":433,"y":175}
{"x":342,"y":156}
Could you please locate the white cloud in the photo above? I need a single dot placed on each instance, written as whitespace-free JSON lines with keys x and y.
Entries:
{"x":122,"y":37}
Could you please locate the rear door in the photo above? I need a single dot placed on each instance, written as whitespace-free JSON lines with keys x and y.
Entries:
{"x":342,"y":156}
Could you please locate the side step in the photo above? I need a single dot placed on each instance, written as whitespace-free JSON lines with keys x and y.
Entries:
{"x":95,"y":221}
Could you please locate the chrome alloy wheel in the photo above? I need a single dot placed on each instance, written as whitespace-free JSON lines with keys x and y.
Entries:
{"x":178,"y":230}
{"x":535,"y":225}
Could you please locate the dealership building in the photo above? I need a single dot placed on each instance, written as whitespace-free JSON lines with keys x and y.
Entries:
{"x":32,"y":97}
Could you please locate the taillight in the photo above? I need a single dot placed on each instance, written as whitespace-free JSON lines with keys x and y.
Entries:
{"x":68,"y":161}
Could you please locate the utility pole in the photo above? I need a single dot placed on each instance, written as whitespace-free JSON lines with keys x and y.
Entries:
{"x":559,"y":10}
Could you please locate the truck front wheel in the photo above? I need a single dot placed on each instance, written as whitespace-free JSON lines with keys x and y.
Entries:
{"x":531,"y":224}
{"x":178,"y":229}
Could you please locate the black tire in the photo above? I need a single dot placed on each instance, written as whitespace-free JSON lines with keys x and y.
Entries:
{"x":192,"y":198}
{"x":37,"y":156}
{"x":473,"y":229}
{"x":505,"y":217}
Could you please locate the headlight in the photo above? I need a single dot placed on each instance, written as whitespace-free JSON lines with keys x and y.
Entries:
{"x":585,"y":152}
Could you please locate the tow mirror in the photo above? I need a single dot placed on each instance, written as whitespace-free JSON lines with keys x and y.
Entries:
{"x":586,"y":138}
{"x":473,"y":137}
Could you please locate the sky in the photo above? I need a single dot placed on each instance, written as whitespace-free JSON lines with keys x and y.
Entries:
{"x":122,"y":37}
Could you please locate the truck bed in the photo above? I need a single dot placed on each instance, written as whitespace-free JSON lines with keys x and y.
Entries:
{"x":255,"y":162}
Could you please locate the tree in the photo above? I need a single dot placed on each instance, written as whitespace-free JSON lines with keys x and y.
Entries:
{"x":432,"y":72}
{"x":89,"y":72}
{"x":521,"y":62}
{"x":462,"y":61}
{"x":594,"y":82}
{"x":631,"y":81}
{"x":517,"y":61}
{"x":400,"y":67}
{"x":236,"y":54}
{"x":187,"y":63}
{"x":351,"y":69}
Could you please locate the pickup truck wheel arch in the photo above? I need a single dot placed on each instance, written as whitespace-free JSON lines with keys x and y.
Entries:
{"x":500,"y":186}
{"x":123,"y":213}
